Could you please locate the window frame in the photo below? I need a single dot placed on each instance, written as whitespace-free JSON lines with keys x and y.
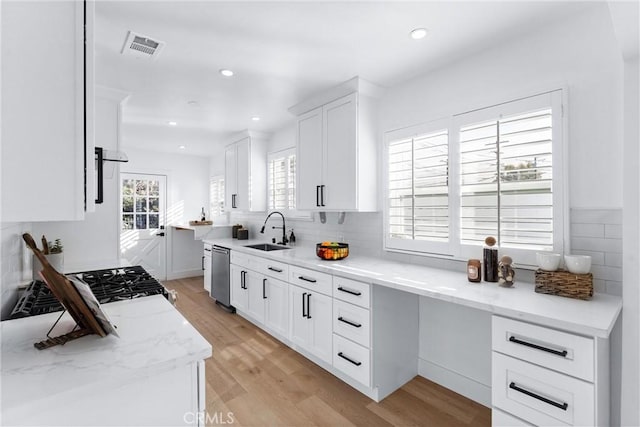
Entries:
{"x":556,"y":99}
{"x":223,"y":212}
{"x":294,"y":213}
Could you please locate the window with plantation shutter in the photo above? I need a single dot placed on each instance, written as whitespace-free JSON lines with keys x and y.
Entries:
{"x":282,"y":178}
{"x":506,"y":176}
{"x":496,"y":171}
{"x":216,"y":196}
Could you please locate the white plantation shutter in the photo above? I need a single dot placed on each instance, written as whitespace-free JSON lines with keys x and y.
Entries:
{"x":282,"y":169}
{"x":506,"y":176}
{"x":216,"y":196}
{"x":418,"y":193}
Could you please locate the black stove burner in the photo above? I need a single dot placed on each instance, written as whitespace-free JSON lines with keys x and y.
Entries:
{"x":109,"y":285}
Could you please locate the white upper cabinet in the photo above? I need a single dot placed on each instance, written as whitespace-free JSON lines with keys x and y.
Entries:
{"x":337,"y":156}
{"x":47,"y":118}
{"x":246,"y":174}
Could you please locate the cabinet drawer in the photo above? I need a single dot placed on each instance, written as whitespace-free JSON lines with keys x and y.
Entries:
{"x":309,"y":279}
{"x":275,"y":269}
{"x":502,"y":419}
{"x":560,"y":351}
{"x":540,"y":396}
{"x":352,"y":322}
{"x":348,"y":290}
{"x":243,"y":260}
{"x":351,"y":359}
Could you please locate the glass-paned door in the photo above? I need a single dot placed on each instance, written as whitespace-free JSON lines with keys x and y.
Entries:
{"x":142,"y":220}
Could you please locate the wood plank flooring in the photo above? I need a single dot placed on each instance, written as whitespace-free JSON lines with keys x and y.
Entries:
{"x":255,"y":380}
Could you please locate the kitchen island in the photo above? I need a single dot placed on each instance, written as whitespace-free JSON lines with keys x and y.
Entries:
{"x":152,"y":374}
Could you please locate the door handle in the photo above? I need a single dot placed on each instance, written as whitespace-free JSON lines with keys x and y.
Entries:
{"x":349,"y":322}
{"x":348,"y":359}
{"x":202,"y":262}
{"x":562,"y":353}
{"x":307,"y":279}
{"x":317,"y":195}
{"x":264,"y":288}
{"x":349,"y":291}
{"x":563,"y":405}
{"x":304,"y":294}
{"x":243,"y":279}
{"x":309,"y":305}
{"x":161,"y":234}
{"x":322,"y":195}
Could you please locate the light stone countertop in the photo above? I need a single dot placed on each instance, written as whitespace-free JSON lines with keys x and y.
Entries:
{"x":595,"y":317}
{"x":154,"y":338}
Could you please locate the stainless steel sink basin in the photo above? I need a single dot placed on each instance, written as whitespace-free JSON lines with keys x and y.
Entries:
{"x":266,"y":247}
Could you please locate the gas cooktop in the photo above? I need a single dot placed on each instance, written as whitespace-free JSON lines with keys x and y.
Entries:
{"x":114,"y":284}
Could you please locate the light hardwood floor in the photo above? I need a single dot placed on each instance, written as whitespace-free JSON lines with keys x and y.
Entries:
{"x":262,"y":382}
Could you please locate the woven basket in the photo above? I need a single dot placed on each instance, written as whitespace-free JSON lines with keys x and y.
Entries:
{"x":564,"y":284}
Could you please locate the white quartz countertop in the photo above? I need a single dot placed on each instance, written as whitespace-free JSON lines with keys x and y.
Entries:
{"x":154,"y":337}
{"x":595,"y":317}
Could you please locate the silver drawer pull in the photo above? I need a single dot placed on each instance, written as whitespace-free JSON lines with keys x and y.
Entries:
{"x":562,"y":353}
{"x":349,"y":322}
{"x":349,"y":291}
{"x":277,"y":270}
{"x":348,"y":359}
{"x":563,"y":405}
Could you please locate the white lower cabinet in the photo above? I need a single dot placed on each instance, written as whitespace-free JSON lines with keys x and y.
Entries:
{"x":276,"y":310}
{"x":311,"y":326}
{"x":543,"y":376}
{"x":239,"y":295}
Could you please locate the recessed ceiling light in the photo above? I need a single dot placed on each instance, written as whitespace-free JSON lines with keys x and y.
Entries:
{"x":173,"y":123}
{"x":255,"y":118}
{"x":418,"y":33}
{"x":193,"y":103}
{"x":182,"y":147}
{"x":226,"y":73}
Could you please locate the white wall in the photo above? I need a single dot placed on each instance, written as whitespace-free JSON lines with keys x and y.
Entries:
{"x":631,"y":249}
{"x":95,"y":238}
{"x":580,"y":52}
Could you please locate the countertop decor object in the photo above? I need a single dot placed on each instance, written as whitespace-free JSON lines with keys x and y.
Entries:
{"x":548,"y":261}
{"x":565,"y":284}
{"x":578,"y":264}
{"x":506,"y":275}
{"x":205,"y":222}
{"x":332,"y":250}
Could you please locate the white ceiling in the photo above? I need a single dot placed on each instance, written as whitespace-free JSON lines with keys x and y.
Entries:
{"x":281,"y":53}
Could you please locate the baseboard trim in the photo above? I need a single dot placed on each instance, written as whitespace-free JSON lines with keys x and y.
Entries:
{"x":471,"y":389}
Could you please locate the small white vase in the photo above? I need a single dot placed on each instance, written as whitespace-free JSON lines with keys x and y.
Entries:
{"x":56,"y":261}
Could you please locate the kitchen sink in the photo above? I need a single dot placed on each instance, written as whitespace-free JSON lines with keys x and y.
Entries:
{"x":267,"y":247}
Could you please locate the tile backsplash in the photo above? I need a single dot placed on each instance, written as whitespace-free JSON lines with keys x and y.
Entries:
{"x":594,"y":232}
{"x":15,"y":264}
{"x":598,"y":233}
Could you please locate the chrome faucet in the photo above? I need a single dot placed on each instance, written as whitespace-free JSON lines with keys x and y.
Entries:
{"x":284,"y":230}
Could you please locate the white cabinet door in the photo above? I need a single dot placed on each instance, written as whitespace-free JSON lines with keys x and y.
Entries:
{"x":309,"y":159}
{"x":300,"y":327}
{"x":43,"y":132}
{"x":311,"y":326}
{"x":277,"y":305}
{"x":243,"y":168}
{"x":340,"y":157}
{"x":319,"y":312}
{"x":230,"y":176}
{"x":239,"y":294}
{"x":255,"y":285}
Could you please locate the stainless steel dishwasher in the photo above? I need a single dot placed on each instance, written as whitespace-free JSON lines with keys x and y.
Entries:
{"x":220,"y":282}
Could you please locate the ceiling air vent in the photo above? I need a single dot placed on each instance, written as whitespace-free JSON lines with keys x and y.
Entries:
{"x":141,"y":46}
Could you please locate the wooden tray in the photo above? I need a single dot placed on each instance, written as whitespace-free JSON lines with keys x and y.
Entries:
{"x":201,"y":222}
{"x":564,"y":284}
